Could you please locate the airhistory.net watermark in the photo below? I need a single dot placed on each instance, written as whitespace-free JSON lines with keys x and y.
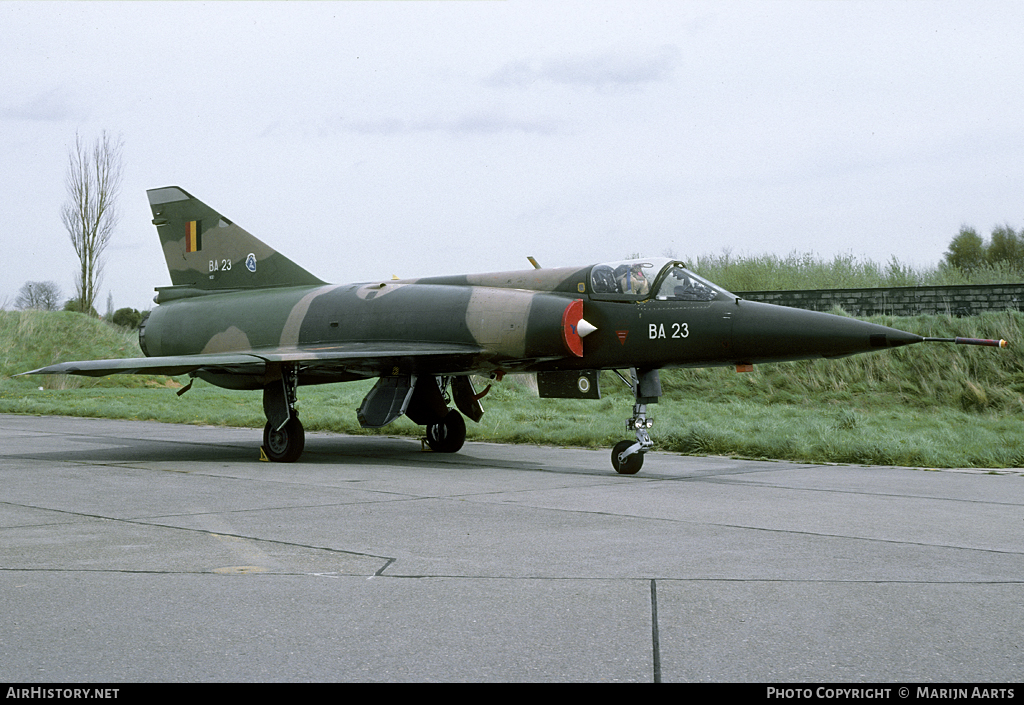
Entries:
{"x":48,"y":693}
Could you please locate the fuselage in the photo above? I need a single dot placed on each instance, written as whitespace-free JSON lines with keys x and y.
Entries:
{"x":517,"y":320}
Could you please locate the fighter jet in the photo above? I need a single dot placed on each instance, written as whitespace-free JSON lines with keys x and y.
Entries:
{"x":240,"y":315}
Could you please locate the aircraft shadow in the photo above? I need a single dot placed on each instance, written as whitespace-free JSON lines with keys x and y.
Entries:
{"x":340,"y":450}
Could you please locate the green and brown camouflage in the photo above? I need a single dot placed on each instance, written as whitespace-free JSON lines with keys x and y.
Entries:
{"x":202,"y":248}
{"x":241,"y":315}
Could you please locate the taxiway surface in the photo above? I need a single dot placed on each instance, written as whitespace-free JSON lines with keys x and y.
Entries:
{"x":140,"y":551}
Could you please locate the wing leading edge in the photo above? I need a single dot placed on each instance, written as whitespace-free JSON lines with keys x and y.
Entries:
{"x":371,"y":358}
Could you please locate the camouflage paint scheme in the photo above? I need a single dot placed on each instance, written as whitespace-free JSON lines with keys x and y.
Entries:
{"x":241,"y":315}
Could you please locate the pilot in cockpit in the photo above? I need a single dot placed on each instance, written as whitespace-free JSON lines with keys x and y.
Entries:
{"x":631,"y":279}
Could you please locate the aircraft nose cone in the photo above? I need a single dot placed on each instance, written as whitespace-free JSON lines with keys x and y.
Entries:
{"x":893,"y":337}
{"x":765,"y":332}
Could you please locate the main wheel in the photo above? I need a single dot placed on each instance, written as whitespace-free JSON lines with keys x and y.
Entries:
{"x":284,"y":446}
{"x":449,"y":434}
{"x":632,"y":464}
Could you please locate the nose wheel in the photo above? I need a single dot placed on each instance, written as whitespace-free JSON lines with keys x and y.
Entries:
{"x":626,"y":463}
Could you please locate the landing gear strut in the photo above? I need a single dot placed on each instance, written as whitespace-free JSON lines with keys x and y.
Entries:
{"x":283,"y":436}
{"x":628,"y":456}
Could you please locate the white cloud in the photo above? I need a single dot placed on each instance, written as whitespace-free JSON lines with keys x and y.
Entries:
{"x":51,"y":105}
{"x":604,"y":70}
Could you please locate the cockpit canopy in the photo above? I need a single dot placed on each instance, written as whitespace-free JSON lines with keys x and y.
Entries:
{"x":640,"y":279}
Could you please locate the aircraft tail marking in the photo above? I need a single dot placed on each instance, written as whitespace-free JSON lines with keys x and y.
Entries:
{"x":206,"y":251}
{"x":193,"y":236}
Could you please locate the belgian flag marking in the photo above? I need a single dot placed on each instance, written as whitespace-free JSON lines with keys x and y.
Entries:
{"x":193,"y":236}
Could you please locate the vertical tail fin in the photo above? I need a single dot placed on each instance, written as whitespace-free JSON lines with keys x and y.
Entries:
{"x":206,"y":251}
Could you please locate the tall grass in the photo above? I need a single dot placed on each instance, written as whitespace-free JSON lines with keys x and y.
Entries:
{"x":807,"y":270}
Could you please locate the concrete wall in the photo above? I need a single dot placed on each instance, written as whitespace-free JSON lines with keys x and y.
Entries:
{"x":901,"y":301}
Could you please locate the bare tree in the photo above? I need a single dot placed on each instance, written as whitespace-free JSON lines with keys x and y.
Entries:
{"x":44,"y":296}
{"x":90,"y":214}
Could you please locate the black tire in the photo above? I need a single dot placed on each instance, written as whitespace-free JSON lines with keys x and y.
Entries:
{"x":284,"y":446}
{"x":449,"y":435}
{"x":633,"y":463}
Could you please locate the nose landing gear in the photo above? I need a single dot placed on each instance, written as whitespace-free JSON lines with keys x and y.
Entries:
{"x":628,"y":456}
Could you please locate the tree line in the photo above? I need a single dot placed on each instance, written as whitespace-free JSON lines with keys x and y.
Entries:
{"x":47,"y":295}
{"x":969,"y":252}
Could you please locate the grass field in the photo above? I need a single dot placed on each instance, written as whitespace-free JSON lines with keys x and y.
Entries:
{"x":926,"y":405}
{"x":772,"y":272}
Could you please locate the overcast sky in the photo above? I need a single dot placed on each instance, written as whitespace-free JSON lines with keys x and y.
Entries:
{"x":365,"y":139}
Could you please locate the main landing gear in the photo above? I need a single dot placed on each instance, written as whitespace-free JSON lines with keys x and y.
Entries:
{"x":448,"y":435}
{"x":424,"y":400}
{"x":283,"y":436}
{"x":628,"y":456}
{"x":446,"y":427}
{"x":284,"y":445}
